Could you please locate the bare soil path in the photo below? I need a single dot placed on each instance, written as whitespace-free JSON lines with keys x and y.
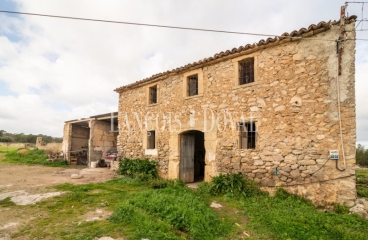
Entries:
{"x":35,"y":179}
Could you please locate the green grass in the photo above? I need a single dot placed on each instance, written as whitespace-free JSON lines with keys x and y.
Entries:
{"x":287,"y":216}
{"x":170,"y":213}
{"x":63,"y":216}
{"x":362,"y":182}
{"x":5,"y":149}
{"x":176,"y":212}
{"x":33,"y":157}
{"x":6,"y":202}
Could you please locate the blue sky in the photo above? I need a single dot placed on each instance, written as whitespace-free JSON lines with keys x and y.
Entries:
{"x":52,"y":70}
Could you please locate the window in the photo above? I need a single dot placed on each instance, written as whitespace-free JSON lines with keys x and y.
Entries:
{"x":153,"y":94}
{"x":192,"y":85}
{"x":248,"y":135}
{"x":246,"y":71}
{"x":151,"y":140}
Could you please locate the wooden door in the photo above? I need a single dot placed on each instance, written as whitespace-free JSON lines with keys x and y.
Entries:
{"x":187,"y":142}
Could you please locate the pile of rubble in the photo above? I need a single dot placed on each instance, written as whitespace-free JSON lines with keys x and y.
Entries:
{"x":52,"y":157}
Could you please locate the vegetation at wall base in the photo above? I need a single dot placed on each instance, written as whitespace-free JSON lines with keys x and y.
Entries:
{"x":231,"y":185}
{"x":33,"y":157}
{"x":138,"y":168}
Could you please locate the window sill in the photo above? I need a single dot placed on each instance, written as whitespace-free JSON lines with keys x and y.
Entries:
{"x":246,"y":85}
{"x":151,"y":152}
{"x":195,"y":96}
{"x":152,"y":104}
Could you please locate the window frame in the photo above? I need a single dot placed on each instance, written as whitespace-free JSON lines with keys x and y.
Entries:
{"x":236,"y":62}
{"x":153,"y":91}
{"x":191,"y":79}
{"x":250,"y":135}
{"x":243,"y":66}
{"x":151,"y":139}
{"x":199,"y":73}
{"x":148,"y":94}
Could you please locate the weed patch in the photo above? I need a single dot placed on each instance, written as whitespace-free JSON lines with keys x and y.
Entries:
{"x":6,"y":202}
{"x":231,"y":185}
{"x":143,"y":169}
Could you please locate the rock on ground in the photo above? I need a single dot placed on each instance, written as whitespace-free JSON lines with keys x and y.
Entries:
{"x":76,"y":176}
{"x":360,"y":208}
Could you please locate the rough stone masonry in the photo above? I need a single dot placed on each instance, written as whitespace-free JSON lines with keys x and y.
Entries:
{"x":293,"y":102}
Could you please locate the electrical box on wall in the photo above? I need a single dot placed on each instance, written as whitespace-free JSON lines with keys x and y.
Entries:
{"x":334,"y":154}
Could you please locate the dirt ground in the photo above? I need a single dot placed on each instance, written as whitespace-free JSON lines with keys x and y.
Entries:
{"x":28,"y":184}
{"x":35,"y":179}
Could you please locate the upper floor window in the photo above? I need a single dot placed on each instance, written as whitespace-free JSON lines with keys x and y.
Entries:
{"x":192,"y":82}
{"x":246,"y":71}
{"x":153,"y":94}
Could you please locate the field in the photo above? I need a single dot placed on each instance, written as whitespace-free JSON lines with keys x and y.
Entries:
{"x":5,"y":149}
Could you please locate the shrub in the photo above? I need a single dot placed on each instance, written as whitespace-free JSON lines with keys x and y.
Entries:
{"x":143,"y":169}
{"x":232,"y":185}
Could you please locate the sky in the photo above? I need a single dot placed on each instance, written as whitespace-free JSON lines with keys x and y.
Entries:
{"x":53,"y":70}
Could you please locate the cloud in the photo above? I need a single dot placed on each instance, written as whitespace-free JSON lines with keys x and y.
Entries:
{"x":361,"y":88}
{"x":62,"y":69}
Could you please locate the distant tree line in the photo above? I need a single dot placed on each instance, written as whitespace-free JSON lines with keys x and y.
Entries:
{"x":26,"y":138}
{"x":361,"y":156}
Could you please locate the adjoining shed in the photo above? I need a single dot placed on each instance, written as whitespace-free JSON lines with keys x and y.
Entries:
{"x":281,"y":111}
{"x":87,"y":140}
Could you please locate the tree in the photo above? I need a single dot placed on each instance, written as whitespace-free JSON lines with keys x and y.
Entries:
{"x":361,"y":155}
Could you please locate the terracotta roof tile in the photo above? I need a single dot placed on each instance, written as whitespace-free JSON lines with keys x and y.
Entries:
{"x":320,"y":26}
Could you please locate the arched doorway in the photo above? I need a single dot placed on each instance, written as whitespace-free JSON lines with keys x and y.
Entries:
{"x":192,"y":156}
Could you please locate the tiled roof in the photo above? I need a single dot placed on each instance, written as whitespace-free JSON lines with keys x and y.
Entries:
{"x":285,"y":37}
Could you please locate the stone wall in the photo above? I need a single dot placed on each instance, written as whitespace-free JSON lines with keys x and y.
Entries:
{"x":52,"y":148}
{"x":293,"y":102}
{"x":102,"y":139}
{"x":79,"y":137}
{"x":19,"y":145}
{"x":92,"y":135}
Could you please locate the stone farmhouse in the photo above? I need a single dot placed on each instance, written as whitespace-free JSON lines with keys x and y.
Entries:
{"x":281,"y":111}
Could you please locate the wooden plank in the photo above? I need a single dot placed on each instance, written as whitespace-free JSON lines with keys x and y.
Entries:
{"x":187,"y":142}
